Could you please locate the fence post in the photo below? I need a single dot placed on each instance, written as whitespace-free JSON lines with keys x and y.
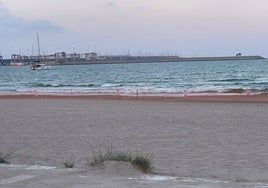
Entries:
{"x":117,"y":91}
{"x":185,"y":93}
{"x":248,"y":92}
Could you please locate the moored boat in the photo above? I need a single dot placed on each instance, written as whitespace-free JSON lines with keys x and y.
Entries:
{"x":16,"y":64}
{"x":40,"y":67}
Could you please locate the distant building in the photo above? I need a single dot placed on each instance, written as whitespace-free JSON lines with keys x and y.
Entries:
{"x":60,"y":56}
{"x":89,"y":56}
{"x":15,"y":57}
{"x":73,"y":56}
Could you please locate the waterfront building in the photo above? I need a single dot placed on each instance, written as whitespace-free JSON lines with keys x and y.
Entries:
{"x":60,"y":56}
{"x":16,"y":58}
{"x":89,"y":56}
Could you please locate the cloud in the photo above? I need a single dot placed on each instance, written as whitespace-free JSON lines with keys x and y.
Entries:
{"x":10,"y":25}
{"x":18,"y":35}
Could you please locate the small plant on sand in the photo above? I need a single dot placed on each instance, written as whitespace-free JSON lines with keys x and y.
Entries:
{"x":68,"y":164}
{"x":139,"y":160}
{"x":240,"y":179}
{"x":143,"y":162}
{"x":5,"y":157}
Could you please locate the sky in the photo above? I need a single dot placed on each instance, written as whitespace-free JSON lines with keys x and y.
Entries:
{"x":188,"y":28}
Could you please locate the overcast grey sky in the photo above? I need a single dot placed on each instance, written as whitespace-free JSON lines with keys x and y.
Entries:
{"x":184,"y":27}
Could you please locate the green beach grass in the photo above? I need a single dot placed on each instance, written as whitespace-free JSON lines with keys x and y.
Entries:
{"x":5,"y":157}
{"x":139,"y":160}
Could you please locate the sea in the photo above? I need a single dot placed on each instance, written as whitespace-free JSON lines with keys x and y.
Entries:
{"x":169,"y":78}
{"x":204,"y":146}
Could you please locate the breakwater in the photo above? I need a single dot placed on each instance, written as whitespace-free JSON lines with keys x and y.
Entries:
{"x":116,"y":59}
{"x":159,"y":59}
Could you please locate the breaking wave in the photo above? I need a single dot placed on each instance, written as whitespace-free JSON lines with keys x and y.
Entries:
{"x":62,"y":85}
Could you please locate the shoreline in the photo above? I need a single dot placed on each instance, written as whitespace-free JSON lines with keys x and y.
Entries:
{"x":256,"y":98}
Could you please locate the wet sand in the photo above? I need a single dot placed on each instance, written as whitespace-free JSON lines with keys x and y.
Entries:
{"x":238,"y":98}
{"x":219,"y":139}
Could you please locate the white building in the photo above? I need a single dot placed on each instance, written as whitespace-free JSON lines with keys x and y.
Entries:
{"x":60,"y":56}
{"x":89,"y":56}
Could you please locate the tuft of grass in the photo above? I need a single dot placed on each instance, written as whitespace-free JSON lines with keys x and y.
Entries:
{"x":141,"y":161}
{"x":68,"y":164}
{"x":240,"y":179}
{"x":5,"y":157}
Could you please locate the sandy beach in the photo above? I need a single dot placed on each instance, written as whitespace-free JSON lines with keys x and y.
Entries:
{"x":202,"y":141}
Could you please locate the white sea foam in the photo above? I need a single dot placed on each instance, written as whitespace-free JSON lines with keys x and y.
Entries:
{"x":15,"y":179}
{"x":110,"y":85}
{"x":12,"y":166}
{"x":28,"y":167}
{"x":179,"y":179}
{"x":38,"y":167}
{"x":154,"y":178}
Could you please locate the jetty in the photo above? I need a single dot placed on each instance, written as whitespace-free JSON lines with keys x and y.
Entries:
{"x":157,"y":59}
{"x":92,"y":58}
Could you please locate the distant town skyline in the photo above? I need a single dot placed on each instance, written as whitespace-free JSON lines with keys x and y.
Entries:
{"x":182,"y":27}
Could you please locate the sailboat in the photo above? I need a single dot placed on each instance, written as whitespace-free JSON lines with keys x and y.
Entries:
{"x":40,"y":66}
{"x":37,"y":65}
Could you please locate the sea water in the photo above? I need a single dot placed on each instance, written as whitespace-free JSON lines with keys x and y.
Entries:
{"x":221,"y":148}
{"x":170,"y":78}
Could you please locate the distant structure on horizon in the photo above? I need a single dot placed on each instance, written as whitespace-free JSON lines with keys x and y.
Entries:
{"x":62,"y":58}
{"x":57,"y":56}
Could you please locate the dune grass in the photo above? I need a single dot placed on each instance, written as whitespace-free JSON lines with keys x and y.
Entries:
{"x":5,"y":157}
{"x":68,"y":164}
{"x":140,"y":160}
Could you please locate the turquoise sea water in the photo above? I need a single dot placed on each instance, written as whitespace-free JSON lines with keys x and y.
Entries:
{"x":147,"y":78}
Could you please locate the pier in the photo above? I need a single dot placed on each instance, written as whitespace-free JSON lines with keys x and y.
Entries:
{"x":93,"y":58}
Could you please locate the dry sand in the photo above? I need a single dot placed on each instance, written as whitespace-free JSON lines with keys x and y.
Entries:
{"x":201,"y":141}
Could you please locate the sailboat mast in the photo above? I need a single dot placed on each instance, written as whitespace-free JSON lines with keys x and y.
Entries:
{"x":38,"y":46}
